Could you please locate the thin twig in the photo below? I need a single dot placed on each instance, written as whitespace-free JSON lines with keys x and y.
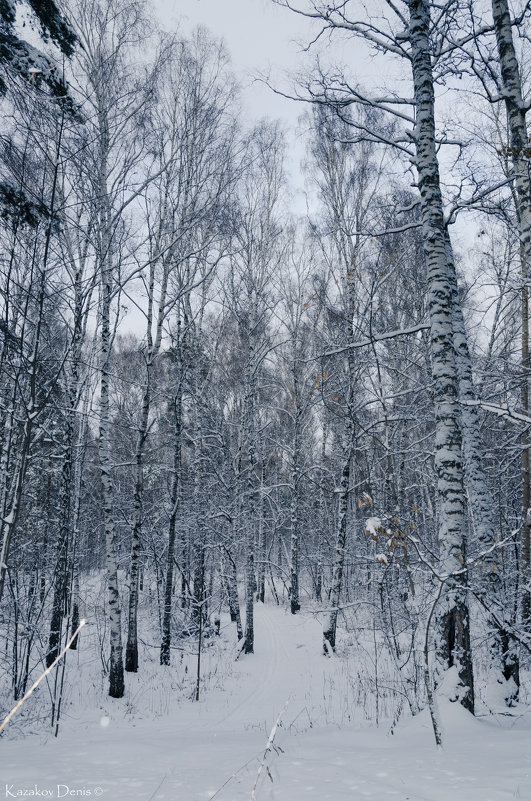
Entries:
{"x":269,"y":744}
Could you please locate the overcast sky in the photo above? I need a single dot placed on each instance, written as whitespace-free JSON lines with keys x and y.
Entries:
{"x":260,"y":38}
{"x":263,"y":38}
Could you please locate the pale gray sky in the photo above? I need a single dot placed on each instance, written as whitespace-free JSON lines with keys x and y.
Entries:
{"x":259,"y":36}
{"x":263,"y":38}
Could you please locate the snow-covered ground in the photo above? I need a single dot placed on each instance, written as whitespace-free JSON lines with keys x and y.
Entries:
{"x":198,"y":751}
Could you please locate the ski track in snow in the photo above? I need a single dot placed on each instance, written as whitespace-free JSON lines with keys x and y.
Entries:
{"x":267,"y":652}
{"x":212,"y":749}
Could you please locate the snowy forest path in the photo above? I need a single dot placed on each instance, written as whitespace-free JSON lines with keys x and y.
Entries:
{"x":278,"y":670}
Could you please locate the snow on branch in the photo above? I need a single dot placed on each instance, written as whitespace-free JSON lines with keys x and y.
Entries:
{"x":501,"y":410}
{"x":377,"y":338}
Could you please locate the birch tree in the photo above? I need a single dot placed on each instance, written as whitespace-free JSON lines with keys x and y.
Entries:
{"x":294,"y":290}
{"x":406,"y":34}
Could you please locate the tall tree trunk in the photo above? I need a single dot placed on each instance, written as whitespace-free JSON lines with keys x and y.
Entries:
{"x":153,"y":344}
{"x":116,"y":671}
{"x":165,"y":653}
{"x":453,"y":628}
{"x":526,"y":445}
{"x":63,"y":542}
{"x":323,"y":515}
{"x":249,"y":434}
{"x":198,"y":534}
{"x":70,"y":477}
{"x":262,"y":543}
{"x":519,"y":153}
{"x":78,"y":479}
{"x":295,"y":508}
{"x":329,"y":631}
{"x":234,"y":601}
{"x":503,"y":659}
{"x":131,"y":650}
{"x":249,"y":593}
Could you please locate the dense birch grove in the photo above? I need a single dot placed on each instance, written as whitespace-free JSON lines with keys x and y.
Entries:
{"x":210,"y":402}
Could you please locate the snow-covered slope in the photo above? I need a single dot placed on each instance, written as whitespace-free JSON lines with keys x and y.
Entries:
{"x":213,"y":748}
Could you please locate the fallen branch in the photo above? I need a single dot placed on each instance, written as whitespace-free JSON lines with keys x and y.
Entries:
{"x":42,"y":676}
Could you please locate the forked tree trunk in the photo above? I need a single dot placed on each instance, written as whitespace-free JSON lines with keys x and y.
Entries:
{"x":153,"y":348}
{"x":70,"y":478}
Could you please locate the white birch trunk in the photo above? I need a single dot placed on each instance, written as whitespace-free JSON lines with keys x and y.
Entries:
{"x":453,"y":630}
{"x":519,"y":152}
{"x":116,"y":672}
